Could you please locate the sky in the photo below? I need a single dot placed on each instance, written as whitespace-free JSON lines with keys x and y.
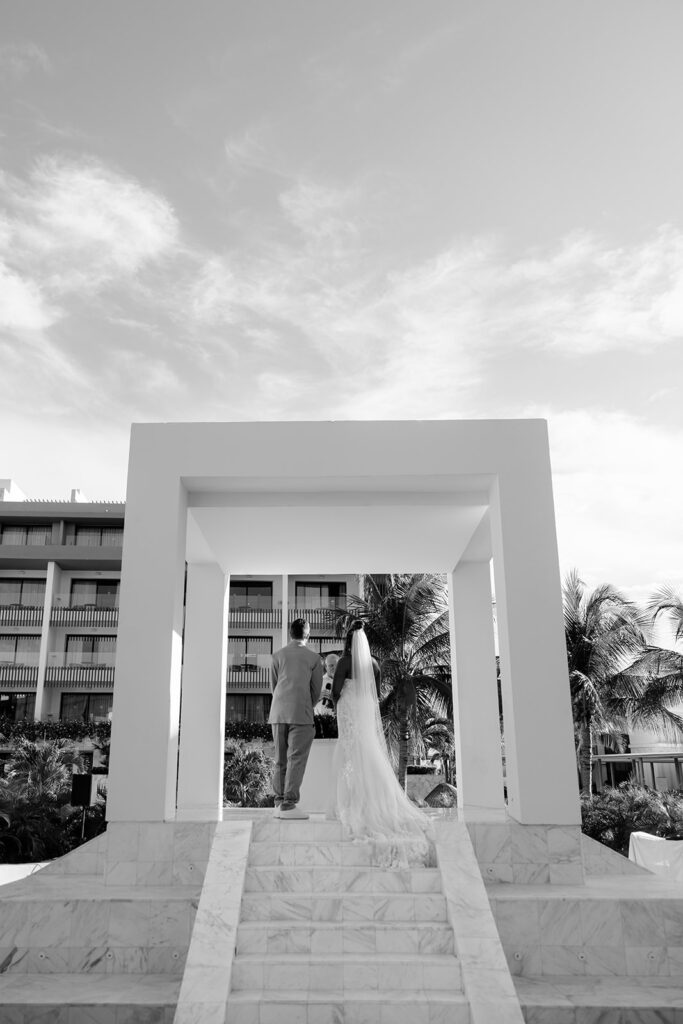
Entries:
{"x":351,"y":210}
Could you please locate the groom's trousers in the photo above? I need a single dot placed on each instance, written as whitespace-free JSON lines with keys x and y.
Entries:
{"x":292,"y":746}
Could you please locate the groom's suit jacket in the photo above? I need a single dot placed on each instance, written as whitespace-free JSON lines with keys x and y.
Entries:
{"x":296,"y":679}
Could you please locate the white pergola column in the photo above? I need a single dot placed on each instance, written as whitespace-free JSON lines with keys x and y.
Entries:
{"x":475,"y":694}
{"x":285,"y":609}
{"x":52,"y":580}
{"x":202,"y":712}
{"x":146,"y":709}
{"x":539,"y":739}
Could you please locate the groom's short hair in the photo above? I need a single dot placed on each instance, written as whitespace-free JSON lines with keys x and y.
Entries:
{"x":299,"y":629}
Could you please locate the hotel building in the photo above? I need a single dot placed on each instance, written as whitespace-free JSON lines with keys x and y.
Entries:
{"x":60,"y":566}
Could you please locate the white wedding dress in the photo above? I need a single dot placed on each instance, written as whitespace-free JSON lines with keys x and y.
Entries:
{"x":369,"y":802}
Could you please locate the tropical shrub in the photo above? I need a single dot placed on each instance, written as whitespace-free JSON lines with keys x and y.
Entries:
{"x":40,"y":770}
{"x":37,"y":830}
{"x":612,"y":815}
{"x":247,"y":775}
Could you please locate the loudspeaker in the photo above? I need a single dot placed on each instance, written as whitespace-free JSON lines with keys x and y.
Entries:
{"x":81,"y":787}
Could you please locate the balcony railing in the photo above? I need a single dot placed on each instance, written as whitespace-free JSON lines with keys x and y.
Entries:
{"x":84,"y":615}
{"x":248,"y":677}
{"x":20,"y":615}
{"x":319,"y":618}
{"x":18,"y":677}
{"x":93,"y":670}
{"x":94,"y":677}
{"x":256,"y":618}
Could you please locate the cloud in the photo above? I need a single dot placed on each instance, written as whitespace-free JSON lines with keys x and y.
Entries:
{"x":587,"y":297}
{"x":609,"y":471}
{"x":22,"y":305}
{"x":17,"y":60}
{"x":212,"y":294}
{"x":77,"y":226}
{"x":421,"y":333}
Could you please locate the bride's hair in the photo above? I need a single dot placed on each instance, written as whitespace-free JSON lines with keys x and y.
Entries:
{"x":355,"y":625}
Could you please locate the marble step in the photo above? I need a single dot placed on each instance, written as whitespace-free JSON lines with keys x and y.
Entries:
{"x":343,"y":906}
{"x":338,"y":938}
{"x":83,"y":924}
{"x":615,"y":998}
{"x":346,"y":879}
{"x":88,"y":998}
{"x":348,"y":1007}
{"x":316,"y":973}
{"x":313,"y":830}
{"x":295,"y":853}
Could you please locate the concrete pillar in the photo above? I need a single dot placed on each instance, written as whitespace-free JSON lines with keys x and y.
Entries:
{"x":285,"y":610}
{"x":202,"y":712}
{"x":146,"y":710}
{"x":475,"y":694}
{"x":539,"y":737}
{"x":51,"y":585}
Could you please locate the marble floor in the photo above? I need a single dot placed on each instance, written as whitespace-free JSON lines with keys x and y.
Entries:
{"x":323,"y":935}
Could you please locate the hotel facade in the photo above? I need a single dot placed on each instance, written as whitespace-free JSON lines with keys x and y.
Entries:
{"x":60,"y":568}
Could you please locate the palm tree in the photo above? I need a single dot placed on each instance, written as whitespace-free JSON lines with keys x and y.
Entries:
{"x":667,"y":602}
{"x":406,"y":621}
{"x":438,"y":736}
{"x":615,"y":679}
{"x":40,"y":770}
{"x":662,"y":667}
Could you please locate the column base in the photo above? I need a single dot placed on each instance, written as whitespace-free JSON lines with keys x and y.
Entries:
{"x":206,"y":813}
{"x":475,"y":813}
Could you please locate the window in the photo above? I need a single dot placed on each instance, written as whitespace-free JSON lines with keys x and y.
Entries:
{"x":27,"y":593}
{"x":26,"y":535}
{"x":19,"y":650}
{"x":249,"y":594}
{"x":94,"y":593}
{"x":94,"y":536}
{"x":17,"y":706}
{"x":85,"y":707}
{"x":90,"y":650}
{"x":320,"y":595}
{"x":324,"y":645}
{"x":247,"y":707}
{"x":247,"y":653}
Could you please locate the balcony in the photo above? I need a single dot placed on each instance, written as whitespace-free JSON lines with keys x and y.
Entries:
{"x":323,"y":619}
{"x":253,"y":617}
{"x":21,"y":615}
{"x":92,"y":670}
{"x":252,"y":673}
{"x":20,"y":673}
{"x":240,"y":678}
{"x":85,"y":615}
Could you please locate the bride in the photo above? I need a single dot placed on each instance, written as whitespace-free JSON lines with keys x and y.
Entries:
{"x":369,"y":801}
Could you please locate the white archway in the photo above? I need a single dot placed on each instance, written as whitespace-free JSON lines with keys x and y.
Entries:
{"x":441,"y":496}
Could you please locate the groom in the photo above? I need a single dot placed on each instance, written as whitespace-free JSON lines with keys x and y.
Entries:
{"x":296,"y":678}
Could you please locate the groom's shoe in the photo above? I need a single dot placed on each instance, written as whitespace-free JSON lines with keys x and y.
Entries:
{"x":293,"y":812}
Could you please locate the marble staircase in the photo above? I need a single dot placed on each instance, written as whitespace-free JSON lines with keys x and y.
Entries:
{"x":327,"y":936}
{"x":608,"y":951}
{"x":79,"y":948}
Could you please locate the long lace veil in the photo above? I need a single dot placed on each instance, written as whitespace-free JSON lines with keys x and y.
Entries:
{"x":365,"y":693}
{"x":370,"y":802}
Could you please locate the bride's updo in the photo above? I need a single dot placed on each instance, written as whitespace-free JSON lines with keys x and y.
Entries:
{"x":355,"y":625}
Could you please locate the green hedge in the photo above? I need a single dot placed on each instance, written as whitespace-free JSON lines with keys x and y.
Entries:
{"x":326,"y":728}
{"x":54,"y":730}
